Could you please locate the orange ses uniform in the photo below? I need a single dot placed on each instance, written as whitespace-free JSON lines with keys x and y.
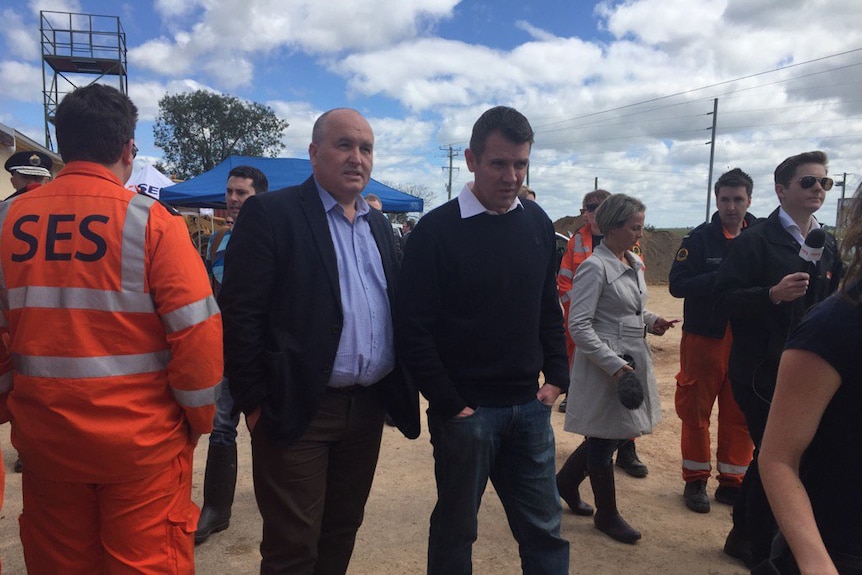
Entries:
{"x":116,"y":357}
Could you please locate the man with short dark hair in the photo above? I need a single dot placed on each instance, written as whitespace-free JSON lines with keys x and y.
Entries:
{"x":480,"y":320}
{"x":310,"y":280}
{"x":705,"y":349}
{"x":243,"y":182}
{"x":764,"y":287}
{"x":114,"y":355}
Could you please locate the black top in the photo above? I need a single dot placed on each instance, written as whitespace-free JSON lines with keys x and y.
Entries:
{"x":757,"y":260}
{"x":693,"y":274}
{"x":831,"y":468}
{"x":480,"y":316}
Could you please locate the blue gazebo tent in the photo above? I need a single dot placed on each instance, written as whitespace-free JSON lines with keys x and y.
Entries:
{"x":207,"y":189}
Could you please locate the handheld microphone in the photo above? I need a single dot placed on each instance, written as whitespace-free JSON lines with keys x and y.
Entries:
{"x":812,"y":249}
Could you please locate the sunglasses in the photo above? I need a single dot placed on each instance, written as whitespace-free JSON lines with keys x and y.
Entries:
{"x":590,"y":208}
{"x":809,"y":181}
{"x":135,"y":151}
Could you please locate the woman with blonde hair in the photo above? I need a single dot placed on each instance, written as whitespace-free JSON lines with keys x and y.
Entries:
{"x":613,"y":392}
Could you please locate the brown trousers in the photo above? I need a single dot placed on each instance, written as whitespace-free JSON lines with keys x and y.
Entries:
{"x":312,"y":493}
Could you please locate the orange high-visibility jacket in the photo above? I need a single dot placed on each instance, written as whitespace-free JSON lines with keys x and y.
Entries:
{"x":115,"y":341}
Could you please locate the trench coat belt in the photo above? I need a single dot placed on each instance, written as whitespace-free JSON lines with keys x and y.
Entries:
{"x":620,"y":331}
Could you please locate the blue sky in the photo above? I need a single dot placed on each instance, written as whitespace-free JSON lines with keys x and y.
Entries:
{"x":616,"y":90}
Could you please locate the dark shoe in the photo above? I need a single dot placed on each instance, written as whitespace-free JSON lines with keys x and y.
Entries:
{"x":614,"y":526}
{"x":570,"y":477}
{"x":726,"y":494}
{"x":627,"y":460}
{"x":607,"y":518}
{"x":739,"y":547}
{"x":19,"y":466}
{"x":219,"y":487}
{"x":562,"y":407}
{"x":695,"y":496}
{"x":389,"y":421}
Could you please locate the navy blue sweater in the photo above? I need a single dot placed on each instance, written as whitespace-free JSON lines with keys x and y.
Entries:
{"x":479,"y":312}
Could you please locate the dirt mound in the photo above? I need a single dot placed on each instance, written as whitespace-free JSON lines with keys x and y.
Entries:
{"x":659,"y":248}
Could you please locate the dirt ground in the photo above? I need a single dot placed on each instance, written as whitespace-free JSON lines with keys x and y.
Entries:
{"x":392,"y":541}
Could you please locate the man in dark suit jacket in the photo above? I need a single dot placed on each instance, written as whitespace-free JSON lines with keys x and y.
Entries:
{"x":764,"y":287}
{"x":307,"y":300}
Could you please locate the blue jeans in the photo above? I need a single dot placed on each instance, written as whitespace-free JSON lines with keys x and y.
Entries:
{"x":224,"y":425}
{"x":514,"y":447}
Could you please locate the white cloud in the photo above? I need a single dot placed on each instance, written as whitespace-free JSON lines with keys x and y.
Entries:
{"x":21,"y":38}
{"x":20,"y":81}
{"x":306,"y":25}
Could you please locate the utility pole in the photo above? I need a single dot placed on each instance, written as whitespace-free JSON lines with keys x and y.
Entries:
{"x":596,"y":183}
{"x":840,"y":210}
{"x":452,"y":153}
{"x":711,"y":143}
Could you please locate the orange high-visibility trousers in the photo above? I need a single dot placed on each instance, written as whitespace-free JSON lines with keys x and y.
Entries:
{"x":142,"y":527}
{"x":702,"y":379}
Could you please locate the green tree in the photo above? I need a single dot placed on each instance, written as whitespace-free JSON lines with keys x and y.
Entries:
{"x":197,"y":130}
{"x":420,"y":191}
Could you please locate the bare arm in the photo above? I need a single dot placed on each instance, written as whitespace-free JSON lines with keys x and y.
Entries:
{"x":806,"y":385}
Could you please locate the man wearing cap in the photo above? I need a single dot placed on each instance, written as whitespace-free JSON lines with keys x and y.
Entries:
{"x":29,"y":170}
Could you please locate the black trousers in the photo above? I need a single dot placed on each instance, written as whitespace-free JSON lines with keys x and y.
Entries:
{"x":312,"y":493}
{"x":752,"y":513}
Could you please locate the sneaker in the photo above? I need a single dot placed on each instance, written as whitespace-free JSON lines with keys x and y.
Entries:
{"x":19,"y":466}
{"x":695,"y":496}
{"x":562,"y":406}
{"x":726,"y":494}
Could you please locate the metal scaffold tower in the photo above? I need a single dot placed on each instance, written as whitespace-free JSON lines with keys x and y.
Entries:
{"x":79,"y":50}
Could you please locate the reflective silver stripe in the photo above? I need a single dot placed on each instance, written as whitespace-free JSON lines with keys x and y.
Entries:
{"x":198,"y":398}
{"x":91,"y":367}
{"x":567,"y":273}
{"x":579,"y":245}
{"x":6,"y":382}
{"x":190,"y":315}
{"x":696,"y":465}
{"x":732,"y":469}
{"x":134,"y":242}
{"x":80,"y":298}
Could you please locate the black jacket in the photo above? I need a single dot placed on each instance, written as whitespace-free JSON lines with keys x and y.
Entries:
{"x":756,"y":261}
{"x":693,"y":274}
{"x":281,"y":307}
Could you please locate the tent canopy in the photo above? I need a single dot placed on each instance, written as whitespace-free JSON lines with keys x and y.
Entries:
{"x":146,"y":179}
{"x":207,"y":189}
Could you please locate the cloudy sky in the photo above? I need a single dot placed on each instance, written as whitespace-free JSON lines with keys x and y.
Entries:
{"x":619,"y":91}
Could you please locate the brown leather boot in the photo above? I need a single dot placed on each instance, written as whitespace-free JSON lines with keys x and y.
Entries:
{"x":608,"y":520}
{"x":569,"y":478}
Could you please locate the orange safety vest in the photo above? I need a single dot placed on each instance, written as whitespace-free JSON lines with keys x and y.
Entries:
{"x":114,"y":353}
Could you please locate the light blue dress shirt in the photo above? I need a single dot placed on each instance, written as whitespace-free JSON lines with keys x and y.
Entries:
{"x":366,"y":351}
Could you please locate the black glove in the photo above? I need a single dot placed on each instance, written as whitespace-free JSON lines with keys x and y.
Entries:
{"x":630,"y":390}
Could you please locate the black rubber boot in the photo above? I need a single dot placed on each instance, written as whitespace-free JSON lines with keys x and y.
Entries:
{"x":569,"y":478}
{"x":627,"y":460}
{"x":219,"y":487}
{"x":608,"y":520}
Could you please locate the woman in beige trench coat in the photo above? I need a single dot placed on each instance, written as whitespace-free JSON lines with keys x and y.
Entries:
{"x":608,"y":323}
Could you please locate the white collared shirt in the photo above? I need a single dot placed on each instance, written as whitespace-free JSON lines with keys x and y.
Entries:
{"x":791,"y":228}
{"x":470,"y":205}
